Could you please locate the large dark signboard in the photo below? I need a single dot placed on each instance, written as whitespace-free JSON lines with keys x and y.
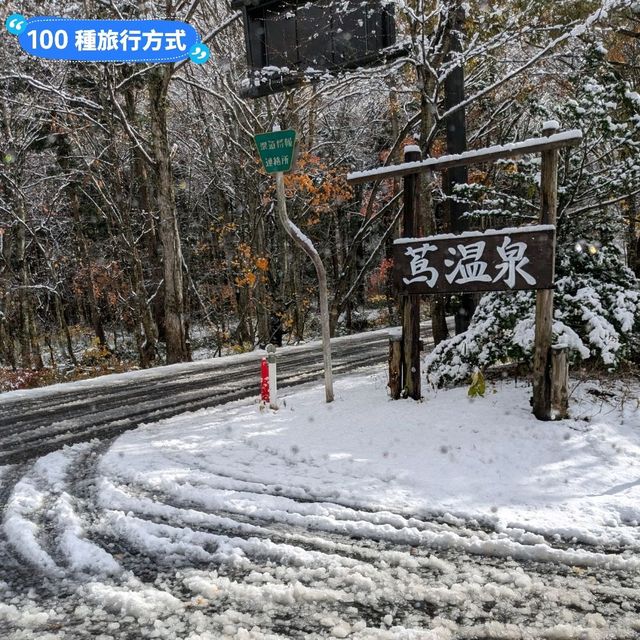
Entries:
{"x":303,"y":37}
{"x":504,"y":260}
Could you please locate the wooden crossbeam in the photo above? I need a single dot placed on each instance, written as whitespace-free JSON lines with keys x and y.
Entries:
{"x":489,"y":154}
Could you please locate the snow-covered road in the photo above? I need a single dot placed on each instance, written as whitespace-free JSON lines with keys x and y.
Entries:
{"x":318,"y":521}
{"x":100,"y":558}
{"x":34,"y":422}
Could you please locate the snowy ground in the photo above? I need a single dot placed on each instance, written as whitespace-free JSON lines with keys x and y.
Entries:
{"x":486,"y":457}
{"x":366,"y":518}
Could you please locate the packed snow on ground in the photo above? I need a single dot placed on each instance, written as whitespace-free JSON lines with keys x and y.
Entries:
{"x":365,"y":518}
{"x":485,"y":458}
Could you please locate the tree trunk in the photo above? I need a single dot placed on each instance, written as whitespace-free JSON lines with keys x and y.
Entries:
{"x":427,"y":219}
{"x":7,"y":346}
{"x":64,"y":328}
{"x":176,"y":337}
{"x":293,"y":290}
{"x":64,"y":157}
{"x":264,"y":309}
{"x":149,"y":339}
{"x":456,"y":143}
{"x":27,"y":356}
{"x":633,"y":238}
{"x":96,"y":318}
{"x":392,"y":299}
{"x":149,"y":336}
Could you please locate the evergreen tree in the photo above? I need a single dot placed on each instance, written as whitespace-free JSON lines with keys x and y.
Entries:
{"x":597,"y":301}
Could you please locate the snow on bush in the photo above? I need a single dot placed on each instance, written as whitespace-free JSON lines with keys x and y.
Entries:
{"x":597,"y":315}
{"x":597,"y":298}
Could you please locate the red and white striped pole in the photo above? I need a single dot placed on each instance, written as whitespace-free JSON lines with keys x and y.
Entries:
{"x":264,"y":381}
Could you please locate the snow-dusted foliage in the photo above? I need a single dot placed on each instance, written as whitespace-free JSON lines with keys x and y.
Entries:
{"x":597,"y":299}
{"x":597,"y":315}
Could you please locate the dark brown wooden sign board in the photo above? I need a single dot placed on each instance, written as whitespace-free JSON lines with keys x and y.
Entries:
{"x":289,"y":41}
{"x":505,"y":260}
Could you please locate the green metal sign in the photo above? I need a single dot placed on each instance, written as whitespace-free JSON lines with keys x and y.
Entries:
{"x":276,"y":150}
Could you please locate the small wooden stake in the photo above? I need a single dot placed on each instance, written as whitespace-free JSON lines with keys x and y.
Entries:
{"x":559,"y":382}
{"x":544,"y":299}
{"x":411,"y":303}
{"x":395,"y":366}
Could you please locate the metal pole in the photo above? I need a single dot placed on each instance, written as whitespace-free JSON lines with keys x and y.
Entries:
{"x":307,"y":246}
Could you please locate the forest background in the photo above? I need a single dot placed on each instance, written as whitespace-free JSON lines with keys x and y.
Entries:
{"x":137,"y":227}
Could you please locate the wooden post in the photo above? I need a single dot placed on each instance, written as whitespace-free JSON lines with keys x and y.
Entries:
{"x":395,"y":366}
{"x":411,"y":303}
{"x":559,"y":382}
{"x":542,"y":383}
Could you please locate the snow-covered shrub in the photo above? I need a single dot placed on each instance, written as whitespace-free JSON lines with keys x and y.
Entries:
{"x":597,"y":298}
{"x":596,"y":314}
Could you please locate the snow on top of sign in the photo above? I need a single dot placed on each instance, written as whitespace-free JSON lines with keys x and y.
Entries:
{"x":572,"y":134}
{"x":480,"y":234}
{"x":566,"y":135}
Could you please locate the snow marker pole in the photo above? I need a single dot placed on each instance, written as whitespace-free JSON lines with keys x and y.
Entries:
{"x":273,"y":383}
{"x":264,"y":382}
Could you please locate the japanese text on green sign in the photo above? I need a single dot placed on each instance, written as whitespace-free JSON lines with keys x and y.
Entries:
{"x":276,"y":150}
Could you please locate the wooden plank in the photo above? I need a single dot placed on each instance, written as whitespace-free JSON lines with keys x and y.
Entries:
{"x":505,"y":260}
{"x":542,"y":383}
{"x":395,"y":366}
{"x":489,"y":154}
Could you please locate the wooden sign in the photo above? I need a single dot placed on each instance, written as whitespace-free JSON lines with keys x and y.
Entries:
{"x":288,"y":39}
{"x":505,"y":260}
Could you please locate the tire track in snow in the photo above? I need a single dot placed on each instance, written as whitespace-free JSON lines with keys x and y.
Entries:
{"x":8,"y":480}
{"x":216,"y":554}
{"x":577,"y":591}
{"x":219,"y":477}
{"x":254,"y":567}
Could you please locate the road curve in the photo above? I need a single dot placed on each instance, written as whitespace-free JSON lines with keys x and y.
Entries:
{"x":35,"y":422}
{"x":90,"y":547}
